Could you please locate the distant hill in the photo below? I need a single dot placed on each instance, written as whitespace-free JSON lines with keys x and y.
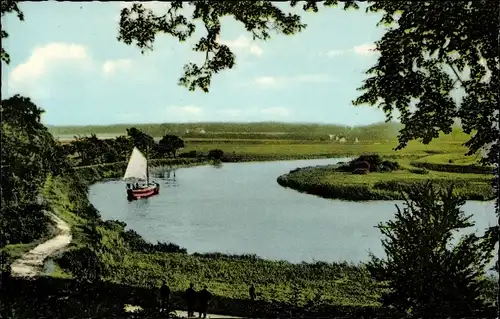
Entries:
{"x":257,"y":130}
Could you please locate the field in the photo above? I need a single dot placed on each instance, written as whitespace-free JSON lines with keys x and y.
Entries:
{"x":340,"y":284}
{"x":275,"y":141}
{"x":471,"y":181}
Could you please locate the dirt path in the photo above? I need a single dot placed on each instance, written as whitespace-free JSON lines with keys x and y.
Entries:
{"x":183,"y":314}
{"x":31,"y":263}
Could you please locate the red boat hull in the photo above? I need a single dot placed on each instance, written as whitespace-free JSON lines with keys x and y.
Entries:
{"x":133,"y":194}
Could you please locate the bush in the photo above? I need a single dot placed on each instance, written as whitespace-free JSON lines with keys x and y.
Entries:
{"x":454,"y":168}
{"x":360,"y":171}
{"x":373,"y":159}
{"x":23,"y":224}
{"x":373,"y":163}
{"x":421,"y":171}
{"x":83,"y":264}
{"x":417,"y":244}
{"x":392,"y":166}
{"x":215,"y":154}
{"x":364,"y":165}
{"x":190,"y":154}
{"x":137,"y":243}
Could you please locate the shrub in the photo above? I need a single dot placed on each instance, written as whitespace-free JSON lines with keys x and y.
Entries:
{"x":215,"y":154}
{"x":421,"y":171}
{"x":375,"y":164}
{"x":83,"y":264}
{"x":364,"y":165}
{"x":360,"y":171}
{"x":190,"y":154}
{"x":454,"y":168}
{"x":424,"y":274}
{"x":373,"y":159}
{"x":23,"y":224}
{"x":391,"y":165}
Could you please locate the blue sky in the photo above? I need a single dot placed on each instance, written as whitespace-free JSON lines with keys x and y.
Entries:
{"x":66,"y":57}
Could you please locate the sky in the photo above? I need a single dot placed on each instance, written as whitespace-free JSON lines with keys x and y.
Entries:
{"x":66,"y":57}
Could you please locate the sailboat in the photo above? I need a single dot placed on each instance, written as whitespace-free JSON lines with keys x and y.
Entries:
{"x":138,"y":170}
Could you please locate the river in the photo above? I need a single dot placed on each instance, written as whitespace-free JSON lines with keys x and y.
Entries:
{"x":239,"y":208}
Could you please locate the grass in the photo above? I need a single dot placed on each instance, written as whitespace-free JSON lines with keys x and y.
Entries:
{"x":228,"y":277}
{"x":261,"y":130}
{"x":331,"y":183}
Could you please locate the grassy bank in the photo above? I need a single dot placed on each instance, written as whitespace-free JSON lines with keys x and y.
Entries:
{"x":343,"y":286}
{"x":471,"y":180}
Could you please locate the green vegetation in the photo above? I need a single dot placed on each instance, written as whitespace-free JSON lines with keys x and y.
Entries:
{"x":125,"y":258}
{"x":341,"y":183}
{"x":231,"y":131}
{"x":416,"y":31}
{"x":423,"y":230}
{"x":28,"y":154}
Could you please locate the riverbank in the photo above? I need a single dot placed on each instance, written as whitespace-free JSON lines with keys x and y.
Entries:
{"x":127,"y":259}
{"x":471,"y":181}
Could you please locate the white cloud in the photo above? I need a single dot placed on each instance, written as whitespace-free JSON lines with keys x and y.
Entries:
{"x":243,"y":44}
{"x":112,"y":66}
{"x":280,"y":111}
{"x":366,"y":49}
{"x":44,"y":57}
{"x":27,"y":77}
{"x":273,"y":81}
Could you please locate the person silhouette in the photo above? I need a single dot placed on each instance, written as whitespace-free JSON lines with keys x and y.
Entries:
{"x":190,"y":295}
{"x":204,"y":298}
{"x":164,"y":295}
{"x":251,"y":292}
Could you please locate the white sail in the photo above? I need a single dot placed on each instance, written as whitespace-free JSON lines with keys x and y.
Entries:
{"x":137,"y":166}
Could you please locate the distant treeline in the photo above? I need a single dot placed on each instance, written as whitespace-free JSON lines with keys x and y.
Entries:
{"x":264,"y":130}
{"x":90,"y":150}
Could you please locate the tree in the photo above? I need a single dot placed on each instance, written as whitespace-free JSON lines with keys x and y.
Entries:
{"x":28,"y":154}
{"x":140,"y":26}
{"x":425,"y":273}
{"x":425,"y":43}
{"x":123,"y":145}
{"x":215,"y":154}
{"x":169,"y":145}
{"x":144,"y":142}
{"x":8,"y":6}
{"x":93,"y":150}
{"x":423,"y":57}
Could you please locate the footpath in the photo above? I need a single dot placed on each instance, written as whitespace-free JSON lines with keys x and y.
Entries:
{"x":31,"y":264}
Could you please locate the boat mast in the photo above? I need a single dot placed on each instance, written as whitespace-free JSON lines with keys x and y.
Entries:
{"x":147,"y":165}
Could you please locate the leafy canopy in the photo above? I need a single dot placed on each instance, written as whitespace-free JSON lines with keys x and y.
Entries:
{"x":426,"y":49}
{"x":430,"y":49}
{"x":139,"y":26}
{"x":8,"y":6}
{"x":169,"y":144}
{"x":28,"y":154}
{"x":144,"y":142}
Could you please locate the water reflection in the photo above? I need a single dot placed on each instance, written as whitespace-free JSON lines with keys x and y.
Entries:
{"x":240,"y":208}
